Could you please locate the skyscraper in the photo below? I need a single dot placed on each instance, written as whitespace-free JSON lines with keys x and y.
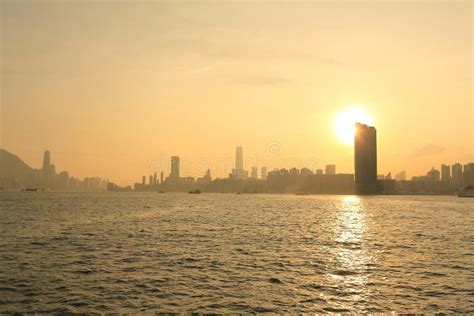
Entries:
{"x":264,"y":173}
{"x":238,"y":172}
{"x":330,"y":169}
{"x":46,"y":160}
{"x":456,"y":173}
{"x":46,"y":169}
{"x":174,"y":167}
{"x":365,"y":159}
{"x":162,"y":176}
{"x":239,"y":158}
{"x":445,"y":173}
{"x":433,"y":175}
{"x":253,"y":174}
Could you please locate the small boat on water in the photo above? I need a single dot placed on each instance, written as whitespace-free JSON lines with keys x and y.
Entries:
{"x":197,"y":191}
{"x":31,"y":189}
{"x":467,"y":191}
{"x":302,"y":193}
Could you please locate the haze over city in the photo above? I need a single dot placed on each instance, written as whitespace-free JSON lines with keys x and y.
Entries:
{"x":109,"y":88}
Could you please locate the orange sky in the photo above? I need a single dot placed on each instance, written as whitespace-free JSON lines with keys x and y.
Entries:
{"x":113,"y":89}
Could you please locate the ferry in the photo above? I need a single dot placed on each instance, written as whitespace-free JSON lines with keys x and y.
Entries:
{"x":30,"y":189}
{"x":197,"y":191}
{"x":466,"y":191}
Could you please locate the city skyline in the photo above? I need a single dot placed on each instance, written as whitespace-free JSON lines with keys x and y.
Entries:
{"x":365,"y":176}
{"x":248,"y":80}
{"x":237,"y":157}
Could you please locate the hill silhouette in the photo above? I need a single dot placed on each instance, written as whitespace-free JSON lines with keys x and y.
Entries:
{"x":12,"y":167}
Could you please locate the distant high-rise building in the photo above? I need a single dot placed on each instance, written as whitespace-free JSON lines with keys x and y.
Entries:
{"x":144,"y":180}
{"x":46,"y":160}
{"x":154,"y":179}
{"x":468,"y":175}
{"x":456,"y":174}
{"x":239,"y":158}
{"x":433,"y":175}
{"x":150,"y":181}
{"x":319,"y":171}
{"x":263,"y":173}
{"x":238,"y":172}
{"x":330,"y":169}
{"x":365,"y":159}
{"x":63,"y":180}
{"x":254,"y":173}
{"x":162,"y":176}
{"x":174,"y":167}
{"x":46,"y":169}
{"x":445,"y":173}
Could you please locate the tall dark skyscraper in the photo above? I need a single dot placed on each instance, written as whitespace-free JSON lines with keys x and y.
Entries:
{"x":174,"y":167}
{"x":365,"y":159}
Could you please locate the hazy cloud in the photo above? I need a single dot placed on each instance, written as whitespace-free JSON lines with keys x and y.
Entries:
{"x":428,"y":150}
{"x":263,"y":80}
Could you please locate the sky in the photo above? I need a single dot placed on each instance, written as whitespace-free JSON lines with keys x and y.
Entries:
{"x":113,"y":89}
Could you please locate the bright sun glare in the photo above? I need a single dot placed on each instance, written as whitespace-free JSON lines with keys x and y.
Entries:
{"x":345,"y":123}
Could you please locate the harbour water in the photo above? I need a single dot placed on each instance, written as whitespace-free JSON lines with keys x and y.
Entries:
{"x":150,"y":252}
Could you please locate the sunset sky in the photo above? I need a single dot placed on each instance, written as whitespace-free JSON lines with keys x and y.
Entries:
{"x":113,"y":89}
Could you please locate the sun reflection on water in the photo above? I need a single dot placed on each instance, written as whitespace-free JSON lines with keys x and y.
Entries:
{"x":351,"y":253}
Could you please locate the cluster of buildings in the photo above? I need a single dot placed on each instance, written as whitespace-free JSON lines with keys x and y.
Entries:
{"x":47,"y":178}
{"x":173,"y":182}
{"x":447,"y":181}
{"x":364,"y":181}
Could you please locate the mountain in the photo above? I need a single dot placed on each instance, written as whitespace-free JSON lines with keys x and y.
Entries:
{"x":12,"y":167}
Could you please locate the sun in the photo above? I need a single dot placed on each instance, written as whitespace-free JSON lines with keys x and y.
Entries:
{"x":345,"y":123}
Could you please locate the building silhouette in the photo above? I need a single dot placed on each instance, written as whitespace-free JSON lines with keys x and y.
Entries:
{"x":174,"y":167}
{"x":263,"y":173}
{"x":46,"y":169}
{"x":456,"y":174}
{"x":433,"y":175}
{"x":445,"y":173}
{"x":239,"y":158}
{"x":238,"y":172}
{"x":254,"y":173}
{"x":330,"y":169}
{"x":365,"y":159}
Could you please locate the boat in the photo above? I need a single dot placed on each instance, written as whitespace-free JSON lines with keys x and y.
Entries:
{"x":161,"y":191}
{"x":197,"y":191}
{"x":467,"y":191}
{"x":31,"y":189}
{"x":302,"y":193}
